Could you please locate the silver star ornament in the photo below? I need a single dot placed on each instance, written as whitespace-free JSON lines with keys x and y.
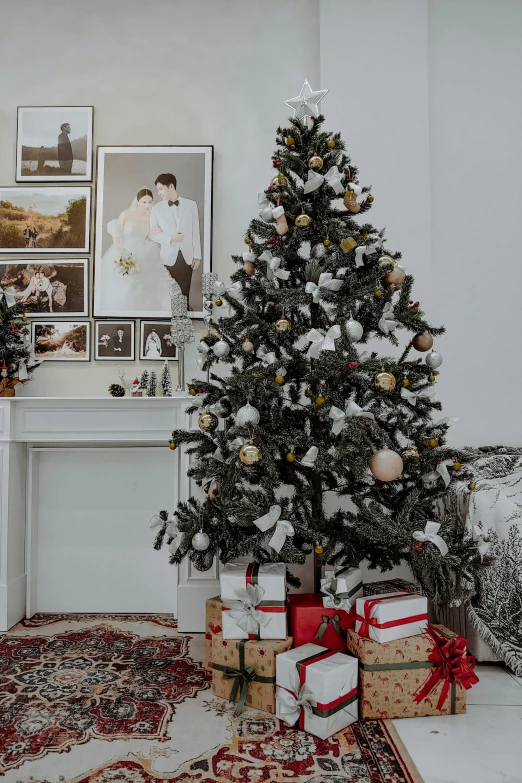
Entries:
{"x":307,"y":102}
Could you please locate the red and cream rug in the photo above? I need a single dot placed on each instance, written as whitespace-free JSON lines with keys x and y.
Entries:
{"x":125,"y":699}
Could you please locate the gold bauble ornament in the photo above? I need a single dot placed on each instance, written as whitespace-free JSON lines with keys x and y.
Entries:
{"x":316,"y":163}
{"x":348,"y":244}
{"x":326,"y":242}
{"x":218,"y":302}
{"x":207,"y":422}
{"x":410,"y":451}
{"x":433,"y":443}
{"x":422,"y":342}
{"x":24,"y":318}
{"x":283,"y":324}
{"x":247,"y":240}
{"x":457,"y":465}
{"x":192,"y":391}
{"x":405,"y":382}
{"x":277,"y":181}
{"x":432,"y":378}
{"x":309,"y":392}
{"x":378,"y":292}
{"x":303,"y":220}
{"x":289,"y":141}
{"x":249,"y":454}
{"x":385,"y":262}
{"x":290,"y":457}
{"x":330,"y":144}
{"x":172,"y":444}
{"x":395,"y":277}
{"x":318,"y":549}
{"x":320,"y":400}
{"x":370,"y":199}
{"x":385,"y":381}
{"x":213,"y":491}
{"x":280,"y":379}
{"x":472,"y":485}
{"x":350,"y":202}
{"x":386,"y":465}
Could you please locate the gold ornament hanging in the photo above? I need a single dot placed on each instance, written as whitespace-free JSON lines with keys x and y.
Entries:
{"x":290,"y":457}
{"x":385,"y":381}
{"x":278,"y":180}
{"x":320,"y":400}
{"x":370,"y":199}
{"x":405,"y":382}
{"x":378,"y":292}
{"x":457,"y":465}
{"x":433,"y":443}
{"x":283,"y":324}
{"x":290,"y":141}
{"x":309,"y":392}
{"x":218,"y":302}
{"x":207,"y":422}
{"x":326,"y":242}
{"x":410,"y":451}
{"x":247,"y":240}
{"x":350,"y":202}
{"x":472,"y":485}
{"x":172,"y":444}
{"x":303,"y":220}
{"x":318,"y":549}
{"x":280,"y":379}
{"x":316,"y":163}
{"x":348,"y":244}
{"x":422,"y":342}
{"x":330,"y":144}
{"x":432,"y":378}
{"x":192,"y":391}
{"x":249,"y":454}
{"x":385,"y":262}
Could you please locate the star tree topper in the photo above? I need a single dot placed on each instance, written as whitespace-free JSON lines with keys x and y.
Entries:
{"x":307,"y":102}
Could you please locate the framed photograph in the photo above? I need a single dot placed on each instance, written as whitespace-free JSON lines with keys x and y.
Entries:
{"x":61,"y":341}
{"x":155,"y":342}
{"x":48,"y":288}
{"x":54,"y":144}
{"x":45,"y":220}
{"x":153,"y":229}
{"x":114,"y":341}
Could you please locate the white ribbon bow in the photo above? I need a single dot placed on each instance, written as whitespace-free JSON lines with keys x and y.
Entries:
{"x":273,"y":270}
{"x":309,"y":458}
{"x":478,"y":537}
{"x":244,"y":611}
{"x":290,"y":704}
{"x":265,"y":208}
{"x":172,"y":530}
{"x":387,"y":322}
{"x":217,"y":454}
{"x":413,"y":396}
{"x":9,"y":295}
{"x":361,"y":250}
{"x":238,"y":442}
{"x":330,"y":598}
{"x":267,"y":358}
{"x":325,"y":281}
{"x":322,"y":342}
{"x":430,"y":533}
{"x":339,"y":417}
{"x":23,"y":375}
{"x":314,"y":181}
{"x":235,"y":290}
{"x":283,"y":528}
{"x":333,"y":178}
{"x":202,"y":351}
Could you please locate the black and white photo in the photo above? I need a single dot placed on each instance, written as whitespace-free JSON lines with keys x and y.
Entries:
{"x":155,"y":341}
{"x":48,"y":288}
{"x":114,"y":341}
{"x":153,"y":229}
{"x":63,"y":341}
{"x":54,"y":144}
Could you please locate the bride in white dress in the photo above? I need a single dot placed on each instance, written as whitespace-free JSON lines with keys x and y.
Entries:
{"x":146,"y":286}
{"x":153,"y":346}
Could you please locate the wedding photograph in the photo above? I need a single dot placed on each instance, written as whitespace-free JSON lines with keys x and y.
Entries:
{"x":45,"y":220}
{"x":48,"y":288}
{"x":114,"y":341}
{"x":54,"y":144}
{"x":153,"y":229}
{"x":155,"y":341}
{"x":62,"y":341}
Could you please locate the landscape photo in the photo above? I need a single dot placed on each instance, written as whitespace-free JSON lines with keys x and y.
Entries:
{"x":155,"y":341}
{"x":54,"y":143}
{"x":65,"y":341}
{"x":40,"y":220}
{"x":48,"y":288}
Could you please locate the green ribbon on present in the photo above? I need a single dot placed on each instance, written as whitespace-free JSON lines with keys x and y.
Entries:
{"x":335,"y":620}
{"x":338,"y":598}
{"x":242,"y":678}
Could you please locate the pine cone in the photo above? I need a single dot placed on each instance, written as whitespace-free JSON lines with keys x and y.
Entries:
{"x":116,"y":390}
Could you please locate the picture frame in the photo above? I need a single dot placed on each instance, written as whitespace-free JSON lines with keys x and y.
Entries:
{"x":160,"y":266}
{"x":64,"y":280}
{"x":40,"y":220}
{"x":110,"y":345}
{"x":54,"y":143}
{"x":159,"y":347}
{"x":61,"y":341}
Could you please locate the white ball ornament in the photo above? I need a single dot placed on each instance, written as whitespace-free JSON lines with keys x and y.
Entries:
{"x":386,"y":465}
{"x":200,"y":541}
{"x":221,"y":348}
{"x":247,"y":415}
{"x":354,"y":330}
{"x":248,"y":346}
{"x":433,"y":360}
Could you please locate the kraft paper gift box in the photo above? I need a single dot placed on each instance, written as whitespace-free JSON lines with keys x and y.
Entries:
{"x":316,"y":689}
{"x":212,"y":626}
{"x":340,"y":589}
{"x":409,"y":678}
{"x":392,"y":586}
{"x":244,"y":671}
{"x":310,"y":621}
{"x":254,"y":601}
{"x":385,"y":618}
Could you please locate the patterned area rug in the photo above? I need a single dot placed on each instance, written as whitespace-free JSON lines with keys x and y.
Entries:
{"x":126,"y":699}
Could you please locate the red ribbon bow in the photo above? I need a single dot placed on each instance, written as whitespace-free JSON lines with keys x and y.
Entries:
{"x":451,"y":666}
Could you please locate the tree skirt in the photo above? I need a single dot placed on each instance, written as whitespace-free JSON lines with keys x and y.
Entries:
{"x":100,"y":698}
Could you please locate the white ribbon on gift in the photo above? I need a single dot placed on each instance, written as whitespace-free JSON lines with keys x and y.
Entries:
{"x":430,"y":533}
{"x":291,"y":703}
{"x":478,"y":538}
{"x":387,"y":322}
{"x":339,"y":417}
{"x":333,"y":178}
{"x":330,"y":599}
{"x":244,"y":612}
{"x":413,"y":396}
{"x":326,"y":281}
{"x":283,"y":527}
{"x":310,"y":457}
{"x":361,"y":250}
{"x":9,"y":295}
{"x":322,"y":342}
{"x":273,"y":270}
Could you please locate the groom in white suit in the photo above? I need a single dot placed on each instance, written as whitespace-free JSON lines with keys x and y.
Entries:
{"x":179,"y":240}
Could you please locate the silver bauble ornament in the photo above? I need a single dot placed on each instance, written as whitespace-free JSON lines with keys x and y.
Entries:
{"x":433,"y":360}
{"x":221,"y":348}
{"x":247,"y":415}
{"x":266,"y":215}
{"x":223,"y":408}
{"x":209,"y":304}
{"x":354,"y":330}
{"x":386,"y":465}
{"x":200,"y":541}
{"x":318,"y":251}
{"x":205,"y":562}
{"x":248,"y":346}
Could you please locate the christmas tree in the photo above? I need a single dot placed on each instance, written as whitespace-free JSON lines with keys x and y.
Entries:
{"x":326,"y":446}
{"x":144,"y":380}
{"x":16,"y":358}
{"x":152,"y":384}
{"x":166,"y":380}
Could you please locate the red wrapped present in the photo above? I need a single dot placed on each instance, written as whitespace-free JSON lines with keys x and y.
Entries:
{"x":311,"y":622}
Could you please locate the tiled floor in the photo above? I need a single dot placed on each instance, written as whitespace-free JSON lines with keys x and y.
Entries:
{"x":483,"y":746}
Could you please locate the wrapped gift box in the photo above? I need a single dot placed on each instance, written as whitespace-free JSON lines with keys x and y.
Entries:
{"x":341,"y":588}
{"x":212,"y":626}
{"x":385,"y":618}
{"x":254,"y":601}
{"x":307,"y":617}
{"x":405,"y":678}
{"x":244,"y":671}
{"x":392,"y":586}
{"x":317,"y":689}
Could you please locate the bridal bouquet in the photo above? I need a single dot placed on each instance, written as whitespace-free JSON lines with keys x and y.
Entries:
{"x":126,"y":264}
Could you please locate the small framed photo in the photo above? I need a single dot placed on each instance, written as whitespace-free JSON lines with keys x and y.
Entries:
{"x":54,"y":144}
{"x":48,"y":288}
{"x":156,"y":343}
{"x":114,"y":341}
{"x":61,"y":341}
{"x":45,"y":220}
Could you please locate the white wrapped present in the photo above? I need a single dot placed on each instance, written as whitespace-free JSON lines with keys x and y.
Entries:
{"x":385,"y":618}
{"x":316,"y":689}
{"x":340,"y":589}
{"x":254,"y":601}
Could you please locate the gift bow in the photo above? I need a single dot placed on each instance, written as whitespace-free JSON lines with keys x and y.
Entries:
{"x":441,"y":471}
{"x":177,"y":536}
{"x":430,"y":533}
{"x":322,"y":342}
{"x":309,"y":458}
{"x":272,"y":269}
{"x":413,"y":396}
{"x":361,"y":250}
{"x":333,"y":599}
{"x":339,"y":417}
{"x":9,"y":295}
{"x":325,"y":281}
{"x":267,"y":358}
{"x":291,"y":703}
{"x":326,"y":621}
{"x":452,"y":666}
{"x":387,"y":322}
{"x":202,"y":351}
{"x":283,"y":527}
{"x":244,"y":610}
{"x":332,"y":177}
{"x":242,"y":678}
